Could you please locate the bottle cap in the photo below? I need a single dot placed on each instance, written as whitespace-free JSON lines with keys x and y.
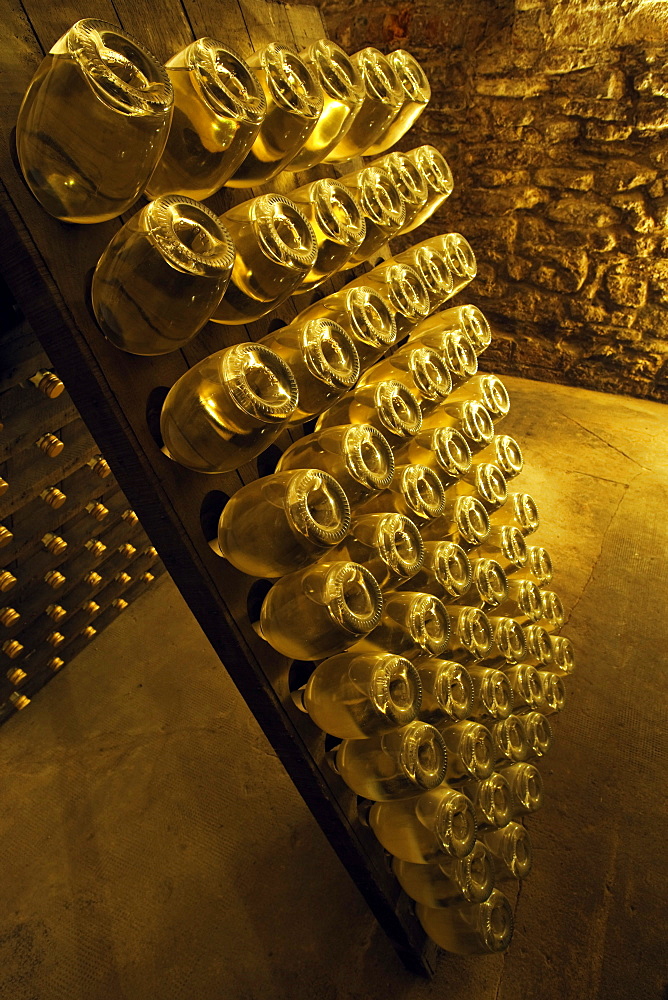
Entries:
{"x":7,"y":580}
{"x":50,"y":445}
{"x":9,"y":616}
{"x":55,"y":663}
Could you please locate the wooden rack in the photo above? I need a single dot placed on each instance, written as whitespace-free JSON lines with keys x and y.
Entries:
{"x":48,"y":265}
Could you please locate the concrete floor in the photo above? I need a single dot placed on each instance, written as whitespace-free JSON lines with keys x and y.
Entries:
{"x":153,"y":847}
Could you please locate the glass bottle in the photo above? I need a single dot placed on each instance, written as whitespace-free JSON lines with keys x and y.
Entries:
{"x":563,"y":654}
{"x":395,"y":765}
{"x":553,"y":614}
{"x":539,"y":565}
{"x":420,"y":829}
{"x":413,"y":625}
{"x":447,"y":690}
{"x":505,"y":543}
{"x":365,"y":315}
{"x":434,"y":271}
{"x":294,"y":103}
{"x":275,"y":249}
{"x":539,"y":646}
{"x":408,"y":181}
{"x":93,"y":123}
{"x":443,"y":449}
{"x":338,"y":225}
{"x":320,"y":610}
{"x":520,"y":510}
{"x":227,"y":408}
{"x":526,"y":786}
{"x":491,"y":798}
{"x":464,"y":521}
{"x":448,"y":880}
{"x":388,"y":544}
{"x":421,"y":369}
{"x":343,"y":93}
{"x":434,"y":168}
{"x":358,"y":456}
{"x":416,"y":94}
{"x":389,"y":406}
{"x":470,"y":750}
{"x":471,"y":633}
{"x":554,"y":692}
{"x":279,"y":523}
{"x":484,"y":481}
{"x":445,"y":572}
{"x":353,"y":696}
{"x":526,"y":685}
{"x":489,"y":586}
{"x":504,"y":452}
{"x":488,"y":390}
{"x":493,"y":698}
{"x":382,"y":206}
{"x":460,"y":257}
{"x":415,"y":492}
{"x":323,"y":360}
{"x":218,"y":109}
{"x":469,"y":321}
{"x":522,"y":602}
{"x":510,"y":738}
{"x":538,"y":734}
{"x":162,"y":276}
{"x":405,"y":291}
{"x":511,"y":849}
{"x":471,"y":419}
{"x":383,"y":99}
{"x":47,"y":382}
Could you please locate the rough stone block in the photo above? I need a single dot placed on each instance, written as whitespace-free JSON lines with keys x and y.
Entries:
{"x":658,"y":281}
{"x":493,"y":177}
{"x":518,"y":268}
{"x":502,"y":201}
{"x":599,"y":110}
{"x":634,"y":211}
{"x":652,"y":82}
{"x":623,"y":175}
{"x":565,"y":177}
{"x":651,"y":114}
{"x":657,"y":189}
{"x":626,"y":289}
{"x":660,"y":212}
{"x":606,"y":131}
{"x":558,"y":130}
{"x":518,"y":87}
{"x":585,"y":211}
{"x":591,"y":84}
{"x":560,"y":269}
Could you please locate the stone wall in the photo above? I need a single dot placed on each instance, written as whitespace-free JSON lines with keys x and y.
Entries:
{"x":553,"y":115}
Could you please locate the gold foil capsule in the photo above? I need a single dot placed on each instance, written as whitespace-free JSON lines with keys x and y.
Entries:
{"x":123,"y":579}
{"x":119,"y":603}
{"x":126,"y":550}
{"x":146,"y":577}
{"x":88,"y":632}
{"x":54,"y":543}
{"x":9,"y":616}
{"x":48,"y":383}
{"x":54,"y":579}
{"x":12,"y":648}
{"x":130,"y":517}
{"x":19,"y":701}
{"x":50,"y":445}
{"x":7,"y":580}
{"x":99,"y":466}
{"x":55,"y":612}
{"x":16,"y":676}
{"x":54,"y":497}
{"x":95,"y":547}
{"x":55,"y":639}
{"x":93,"y":579}
{"x":90,"y":607}
{"x":55,"y":663}
{"x":97,"y":510}
{"x":6,"y":536}
{"x":4,"y":486}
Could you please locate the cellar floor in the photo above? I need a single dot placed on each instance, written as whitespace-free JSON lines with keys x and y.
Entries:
{"x":153,"y":847}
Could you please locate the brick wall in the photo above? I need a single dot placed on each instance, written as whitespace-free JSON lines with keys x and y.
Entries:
{"x":554,"y":118}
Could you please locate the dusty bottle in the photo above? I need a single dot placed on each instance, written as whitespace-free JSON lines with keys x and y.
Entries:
{"x":522,"y":602}
{"x":464,"y":521}
{"x":389,"y":406}
{"x":408,"y":181}
{"x":505,"y":452}
{"x":416,"y":492}
{"x":413,"y":625}
{"x":493,"y":693}
{"x":416,"y":94}
{"x":520,"y":510}
{"x":471,"y":635}
{"x":432,"y":267}
{"x":396,"y":765}
{"x":323,"y":360}
{"x":294,"y":103}
{"x":279,"y":523}
{"x":445,"y":572}
{"x":321,"y":610}
{"x":405,"y":290}
{"x":460,"y":257}
{"x":275,"y":249}
{"x":383,"y":99}
{"x":434,"y":168}
{"x":492,"y":800}
{"x":540,"y":650}
{"x":436,"y":823}
{"x":421,"y":369}
{"x":489,"y":585}
{"x":526,"y":785}
{"x":484,"y":481}
{"x":511,"y":850}
{"x":469,"y":321}
{"x":218,"y":109}
{"x":358,"y":456}
{"x":538,"y":734}
{"x":343,"y":93}
{"x":539,"y":565}
{"x":554,"y":692}
{"x":354,"y":696}
{"x":442,"y":449}
{"x":447,"y":690}
{"x":162,"y":276}
{"x":448,"y":881}
{"x":470,"y":750}
{"x":338,"y":224}
{"x":227,"y":408}
{"x":365,"y":315}
{"x":388,"y":544}
{"x":510,"y":738}
{"x":382,"y":206}
{"x":505,"y":543}
{"x":93,"y":123}
{"x":470,"y":928}
{"x":553,"y":615}
{"x":526,"y":685}
{"x":563,"y":654}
